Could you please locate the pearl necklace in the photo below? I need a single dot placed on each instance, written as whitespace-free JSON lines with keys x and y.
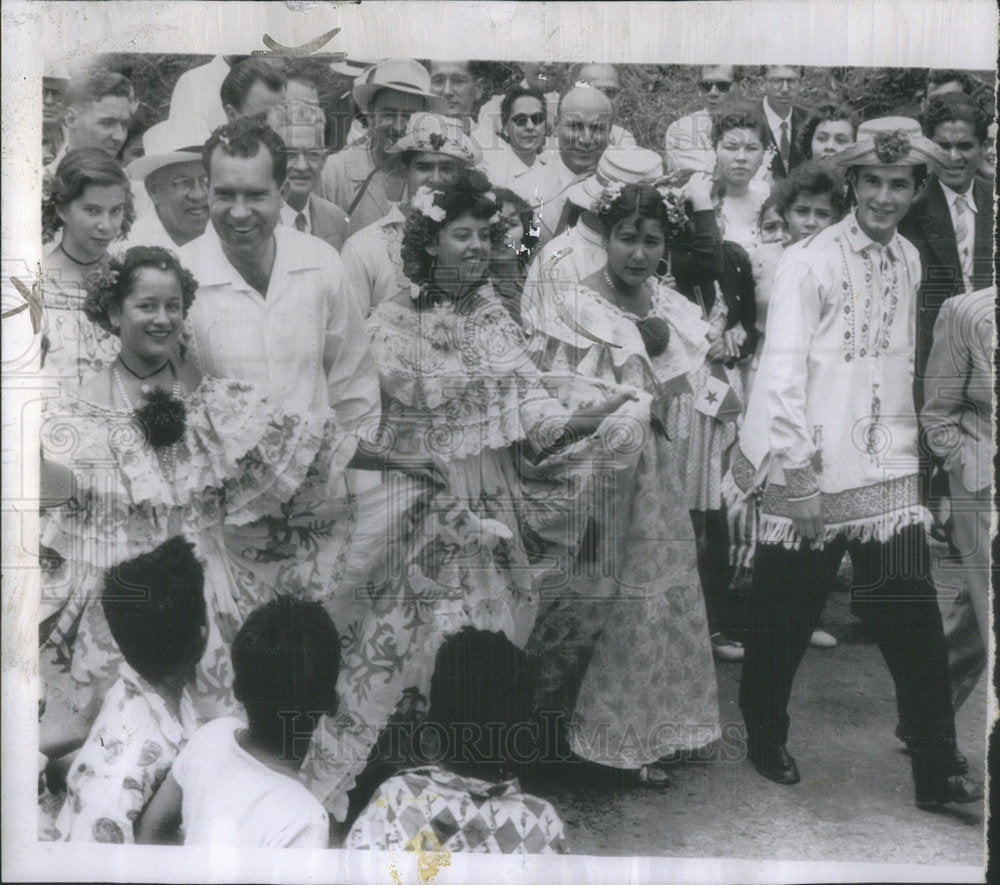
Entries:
{"x":165,"y":455}
{"x":618,"y":293}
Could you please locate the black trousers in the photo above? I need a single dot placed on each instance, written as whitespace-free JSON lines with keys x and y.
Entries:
{"x":892,"y":593}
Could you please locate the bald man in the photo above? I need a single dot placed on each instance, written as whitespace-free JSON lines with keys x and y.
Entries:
{"x":583,"y":122}
{"x":606,"y":79}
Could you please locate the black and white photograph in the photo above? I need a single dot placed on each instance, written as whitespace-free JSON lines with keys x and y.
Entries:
{"x":555,"y":431}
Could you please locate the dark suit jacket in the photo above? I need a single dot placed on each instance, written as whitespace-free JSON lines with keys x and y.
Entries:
{"x":928,"y":226}
{"x":329,"y":222}
{"x":799,"y":118}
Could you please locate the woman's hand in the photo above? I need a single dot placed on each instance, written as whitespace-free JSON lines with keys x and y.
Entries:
{"x":733,"y":340}
{"x":699,"y":191}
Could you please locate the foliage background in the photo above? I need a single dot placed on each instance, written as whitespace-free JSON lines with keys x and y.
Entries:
{"x":653,"y":95}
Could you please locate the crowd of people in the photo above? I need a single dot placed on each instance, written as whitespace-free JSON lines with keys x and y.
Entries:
{"x":380,"y":481}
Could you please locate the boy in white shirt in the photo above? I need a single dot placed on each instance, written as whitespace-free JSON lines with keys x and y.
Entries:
{"x":237,"y":783}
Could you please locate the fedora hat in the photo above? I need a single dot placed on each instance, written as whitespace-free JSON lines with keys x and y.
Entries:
{"x":616,"y":166}
{"x":890,"y":141}
{"x":435,"y":134}
{"x":399,"y":75}
{"x":175,"y":140}
{"x":351,"y":67}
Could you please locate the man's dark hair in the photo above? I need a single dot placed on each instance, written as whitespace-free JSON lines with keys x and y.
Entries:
{"x":919,"y":176}
{"x":244,"y":137}
{"x":940,"y":76}
{"x":513,"y":94}
{"x":737,"y":118}
{"x":955,"y":107}
{"x":241,"y":78}
{"x":481,"y":701}
{"x":155,"y":607}
{"x":286,"y":658}
{"x":95,"y":85}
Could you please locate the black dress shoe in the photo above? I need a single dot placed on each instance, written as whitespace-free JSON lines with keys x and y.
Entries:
{"x":956,"y":763}
{"x":775,"y":763}
{"x":934,"y":784}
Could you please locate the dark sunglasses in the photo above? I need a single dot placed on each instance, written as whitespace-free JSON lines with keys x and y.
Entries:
{"x":707,"y":86}
{"x":523,"y":119}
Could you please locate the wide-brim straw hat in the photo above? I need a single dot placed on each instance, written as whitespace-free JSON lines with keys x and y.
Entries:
{"x":175,"y":140}
{"x":437,"y":134}
{"x":399,"y":75}
{"x":616,"y":166}
{"x":890,"y":141}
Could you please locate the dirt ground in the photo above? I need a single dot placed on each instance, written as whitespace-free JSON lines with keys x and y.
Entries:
{"x":855,"y":801}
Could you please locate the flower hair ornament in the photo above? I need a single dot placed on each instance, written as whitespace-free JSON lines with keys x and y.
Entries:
{"x":673,"y":199}
{"x":423,"y":202}
{"x":608,"y":196}
{"x":891,"y":147}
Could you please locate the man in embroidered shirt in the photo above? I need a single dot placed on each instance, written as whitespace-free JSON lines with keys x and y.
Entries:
{"x":364,"y":177}
{"x":689,"y":139}
{"x":433,"y":151}
{"x":782,"y":85}
{"x":301,"y":127}
{"x":831,"y":428}
{"x":584,"y":120}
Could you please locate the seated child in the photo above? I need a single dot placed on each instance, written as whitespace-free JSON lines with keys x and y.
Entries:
{"x":155,"y":607}
{"x":480,"y":715}
{"x":236,"y":783}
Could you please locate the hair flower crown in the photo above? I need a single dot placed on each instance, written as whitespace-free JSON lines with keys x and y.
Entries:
{"x":608,"y":196}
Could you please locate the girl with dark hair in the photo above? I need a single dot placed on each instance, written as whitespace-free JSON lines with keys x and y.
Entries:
{"x":156,"y":451}
{"x":462,"y":403}
{"x":829,"y":130}
{"x":89,"y":205}
{"x":509,"y":263}
{"x":632,"y":626}
{"x":738,"y":137}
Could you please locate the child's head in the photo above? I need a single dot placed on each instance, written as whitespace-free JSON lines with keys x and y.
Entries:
{"x":771,"y":225}
{"x":481,"y":703}
{"x":155,"y":606}
{"x":286,"y":658}
{"x":811,"y":199}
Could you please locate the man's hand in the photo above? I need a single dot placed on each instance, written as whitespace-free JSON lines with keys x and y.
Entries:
{"x":699,"y":191}
{"x":807,"y":516}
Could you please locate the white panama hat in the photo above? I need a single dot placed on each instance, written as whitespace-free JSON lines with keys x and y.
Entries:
{"x":398,"y":75}
{"x":175,"y":140}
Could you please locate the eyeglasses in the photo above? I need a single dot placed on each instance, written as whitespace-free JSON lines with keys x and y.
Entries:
{"x":783,"y":82}
{"x":707,"y":86}
{"x":524,"y":119}
{"x":189,"y":182}
{"x":312,"y":155}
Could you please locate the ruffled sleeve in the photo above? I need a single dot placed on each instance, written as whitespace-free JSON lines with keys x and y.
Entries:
{"x":239,"y":459}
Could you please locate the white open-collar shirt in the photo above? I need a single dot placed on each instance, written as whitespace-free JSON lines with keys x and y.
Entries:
{"x":304,"y":342}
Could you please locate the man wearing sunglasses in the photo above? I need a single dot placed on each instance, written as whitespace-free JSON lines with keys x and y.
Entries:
{"x":689,"y":139}
{"x":301,"y":126}
{"x":782,"y":85}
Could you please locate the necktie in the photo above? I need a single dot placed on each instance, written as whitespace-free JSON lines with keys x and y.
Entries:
{"x":961,"y":238}
{"x":300,"y":221}
{"x":783,"y":146}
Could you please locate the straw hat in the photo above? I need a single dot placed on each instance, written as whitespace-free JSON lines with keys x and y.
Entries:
{"x":617,"y":166}
{"x":400,"y":75}
{"x":435,"y":134}
{"x":891,"y":141}
{"x":175,"y":140}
